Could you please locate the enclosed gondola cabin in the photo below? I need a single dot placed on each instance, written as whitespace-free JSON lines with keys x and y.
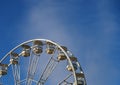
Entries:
{"x":37,"y":47}
{"x":3,"y":69}
{"x":50,"y":48}
{"x":26,"y":50}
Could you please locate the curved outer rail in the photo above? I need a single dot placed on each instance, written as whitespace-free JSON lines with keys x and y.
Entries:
{"x":46,"y":40}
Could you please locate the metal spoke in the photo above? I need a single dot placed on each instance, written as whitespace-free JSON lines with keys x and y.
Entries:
{"x":22,"y":81}
{"x":33,"y":62}
{"x":48,"y":70}
{"x":64,"y":81}
{"x":16,"y":73}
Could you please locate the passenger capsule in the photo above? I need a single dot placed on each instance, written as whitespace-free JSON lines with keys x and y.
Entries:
{"x":72,"y":58}
{"x":79,"y":75}
{"x":64,"y":48}
{"x":14,"y":59}
{"x":3,"y":69}
{"x":61,"y":56}
{"x":79,"y":82}
{"x":37,"y":48}
{"x":38,"y":42}
{"x":26,"y":50}
{"x":69,"y":68}
{"x":50,"y":48}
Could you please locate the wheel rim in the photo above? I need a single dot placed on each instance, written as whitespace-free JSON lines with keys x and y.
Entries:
{"x":32,"y":51}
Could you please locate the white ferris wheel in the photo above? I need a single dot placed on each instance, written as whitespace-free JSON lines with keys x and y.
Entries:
{"x":40,"y":62}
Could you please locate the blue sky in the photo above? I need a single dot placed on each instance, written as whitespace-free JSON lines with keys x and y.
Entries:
{"x":89,"y":28}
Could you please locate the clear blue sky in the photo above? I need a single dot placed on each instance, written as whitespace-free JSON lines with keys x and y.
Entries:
{"x":90,"y":28}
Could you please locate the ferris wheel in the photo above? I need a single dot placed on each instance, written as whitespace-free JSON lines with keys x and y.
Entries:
{"x":40,"y":62}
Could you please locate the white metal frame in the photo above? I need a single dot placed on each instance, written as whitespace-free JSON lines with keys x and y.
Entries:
{"x":16,"y":67}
